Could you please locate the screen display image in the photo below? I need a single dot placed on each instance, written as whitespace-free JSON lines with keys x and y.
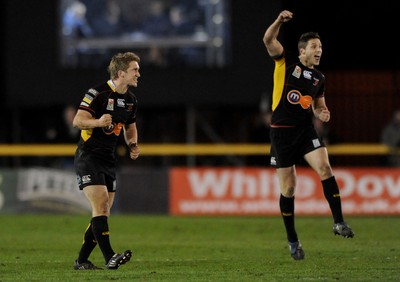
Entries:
{"x":188,"y":33}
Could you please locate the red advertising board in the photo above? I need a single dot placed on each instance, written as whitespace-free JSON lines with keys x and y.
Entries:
{"x":255,"y":191}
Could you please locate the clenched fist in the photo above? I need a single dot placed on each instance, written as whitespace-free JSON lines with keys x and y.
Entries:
{"x":105,"y":120}
{"x":134,"y":151}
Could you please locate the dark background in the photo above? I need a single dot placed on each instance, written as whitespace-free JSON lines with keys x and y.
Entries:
{"x":32,"y":63}
{"x":356,"y":35}
{"x":360,"y":57}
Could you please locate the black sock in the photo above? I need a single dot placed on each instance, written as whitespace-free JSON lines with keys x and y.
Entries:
{"x":332,"y":195}
{"x":89,"y":243}
{"x":287,"y":211}
{"x":102,"y":235}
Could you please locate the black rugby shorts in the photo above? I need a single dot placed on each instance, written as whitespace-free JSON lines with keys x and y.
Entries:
{"x":290,"y":144}
{"x":91,"y":170}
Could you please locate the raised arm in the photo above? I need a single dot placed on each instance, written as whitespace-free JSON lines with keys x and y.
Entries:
{"x":270,"y":39}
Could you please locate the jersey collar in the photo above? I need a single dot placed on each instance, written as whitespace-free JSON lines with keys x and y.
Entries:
{"x":112,"y":85}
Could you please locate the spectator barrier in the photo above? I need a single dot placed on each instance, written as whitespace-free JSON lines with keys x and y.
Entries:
{"x":187,"y":149}
{"x":199,"y":190}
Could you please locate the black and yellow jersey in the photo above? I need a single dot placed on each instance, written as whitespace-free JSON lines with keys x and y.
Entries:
{"x":295,"y":88}
{"x":100,"y":100}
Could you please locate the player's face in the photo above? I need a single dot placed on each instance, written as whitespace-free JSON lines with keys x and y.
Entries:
{"x":132,"y":74}
{"x":311,"y":55}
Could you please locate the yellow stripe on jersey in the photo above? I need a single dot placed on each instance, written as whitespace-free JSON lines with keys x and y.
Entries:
{"x":279,"y":81}
{"x":87,"y":100}
{"x":86,"y":134}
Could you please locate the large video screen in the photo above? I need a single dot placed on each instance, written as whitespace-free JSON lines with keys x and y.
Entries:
{"x":165,"y":33}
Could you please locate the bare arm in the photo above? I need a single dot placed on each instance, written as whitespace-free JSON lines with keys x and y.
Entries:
{"x":270,"y":39}
{"x":131,"y":139}
{"x":321,"y":110}
{"x":84,"y":120}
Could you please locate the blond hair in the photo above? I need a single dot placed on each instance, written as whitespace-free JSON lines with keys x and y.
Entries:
{"x":120,"y":62}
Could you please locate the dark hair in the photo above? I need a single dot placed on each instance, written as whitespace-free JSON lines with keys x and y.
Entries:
{"x":305,"y":37}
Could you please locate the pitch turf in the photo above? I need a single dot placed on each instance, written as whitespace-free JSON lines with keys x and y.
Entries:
{"x":44,"y":247}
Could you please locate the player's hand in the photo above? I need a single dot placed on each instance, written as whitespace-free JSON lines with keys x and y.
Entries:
{"x":285,"y":16}
{"x":134,"y":151}
{"x":105,"y":120}
{"x":324,"y":115}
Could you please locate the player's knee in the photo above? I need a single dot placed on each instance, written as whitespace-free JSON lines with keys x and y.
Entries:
{"x":325,"y":171}
{"x":106,"y":209}
{"x":288,"y":192}
{"x":102,"y":208}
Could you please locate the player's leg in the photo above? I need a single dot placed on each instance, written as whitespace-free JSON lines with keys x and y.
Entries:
{"x":101,"y":199}
{"x":287,"y":181}
{"x":117,"y":259}
{"x":89,"y":243}
{"x":85,"y":167}
{"x":98,"y":197}
{"x":319,"y":161}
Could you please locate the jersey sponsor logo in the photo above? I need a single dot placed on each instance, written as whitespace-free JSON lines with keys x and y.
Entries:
{"x":294,"y":97}
{"x":86,"y":179}
{"x":316,"y":143}
{"x":316,"y":81}
{"x":273,"y":161}
{"x":307,"y":74}
{"x":113,"y":128}
{"x":93,"y":91}
{"x":121,"y":103}
{"x":297,"y":72}
{"x":87,"y":100}
{"x":110,"y":105}
{"x":84,"y":104}
{"x":129,"y":107}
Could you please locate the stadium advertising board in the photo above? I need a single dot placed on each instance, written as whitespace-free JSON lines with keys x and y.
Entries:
{"x":255,"y":191}
{"x":39,"y":190}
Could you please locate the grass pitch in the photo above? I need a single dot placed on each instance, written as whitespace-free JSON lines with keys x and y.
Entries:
{"x":165,"y":248}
